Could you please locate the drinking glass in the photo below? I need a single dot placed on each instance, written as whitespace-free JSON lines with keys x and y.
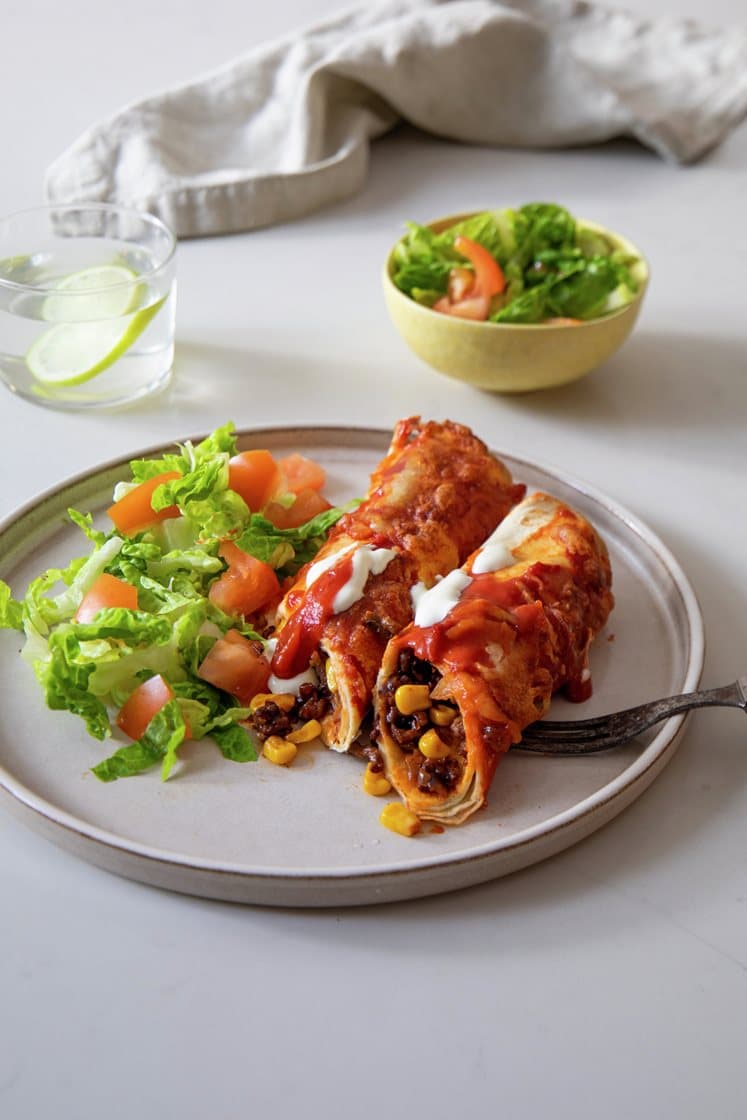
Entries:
{"x":87,"y":305}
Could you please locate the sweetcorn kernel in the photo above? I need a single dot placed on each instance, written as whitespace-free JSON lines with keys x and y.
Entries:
{"x":410,"y":698}
{"x":284,"y":700}
{"x":442,"y":715}
{"x":398,"y":818}
{"x":312,"y":729}
{"x":375,"y":783}
{"x":432,"y":746}
{"x":279,"y":751}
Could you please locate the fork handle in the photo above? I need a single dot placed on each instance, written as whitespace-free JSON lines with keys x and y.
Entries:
{"x":605,"y":732}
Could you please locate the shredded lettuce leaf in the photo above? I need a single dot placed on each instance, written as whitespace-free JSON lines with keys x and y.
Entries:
{"x":91,"y":668}
{"x":11,"y":611}
{"x":287,"y":550}
{"x":163,"y":736}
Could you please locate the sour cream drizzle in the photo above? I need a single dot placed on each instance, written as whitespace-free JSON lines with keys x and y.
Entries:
{"x":434,"y":605}
{"x":321,"y":566}
{"x":522,"y":522}
{"x":366,"y":561}
{"x":333,"y":585}
{"x":292,"y":684}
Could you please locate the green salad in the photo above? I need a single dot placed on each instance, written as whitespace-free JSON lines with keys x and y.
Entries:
{"x":91,"y":655}
{"x":546,"y":265}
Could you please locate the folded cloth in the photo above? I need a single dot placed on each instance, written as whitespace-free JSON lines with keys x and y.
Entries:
{"x":286,"y":128}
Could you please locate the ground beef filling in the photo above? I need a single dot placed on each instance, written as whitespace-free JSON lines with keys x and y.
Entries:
{"x":269,"y":720}
{"x":372,"y":755}
{"x":313,"y":702}
{"x":435,"y":774}
{"x":430,"y":775}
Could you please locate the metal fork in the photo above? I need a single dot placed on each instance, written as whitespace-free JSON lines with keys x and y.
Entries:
{"x":602,"y":733}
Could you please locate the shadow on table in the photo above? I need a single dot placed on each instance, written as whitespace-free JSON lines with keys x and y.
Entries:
{"x":202,"y":370}
{"x":658,"y":381}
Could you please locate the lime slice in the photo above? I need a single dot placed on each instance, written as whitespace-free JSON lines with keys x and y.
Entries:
{"x":103,"y":292}
{"x":71,"y":353}
{"x":100,"y":329}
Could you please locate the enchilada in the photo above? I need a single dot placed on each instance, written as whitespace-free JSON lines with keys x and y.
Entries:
{"x":488,"y":647}
{"x":432,"y":499}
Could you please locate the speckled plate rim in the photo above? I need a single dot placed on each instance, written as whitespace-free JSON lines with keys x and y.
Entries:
{"x":339,"y":886}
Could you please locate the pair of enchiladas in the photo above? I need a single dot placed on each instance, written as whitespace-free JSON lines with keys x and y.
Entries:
{"x":449,"y":605}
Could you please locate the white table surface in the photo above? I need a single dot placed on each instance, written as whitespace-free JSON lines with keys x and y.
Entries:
{"x":609,"y":981}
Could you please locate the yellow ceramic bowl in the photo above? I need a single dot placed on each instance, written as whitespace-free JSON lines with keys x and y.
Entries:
{"x":508,"y":357}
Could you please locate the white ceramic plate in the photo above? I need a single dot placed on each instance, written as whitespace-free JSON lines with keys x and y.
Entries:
{"x":308,"y":835}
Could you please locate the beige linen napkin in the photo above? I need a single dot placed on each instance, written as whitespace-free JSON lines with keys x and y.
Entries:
{"x":286,"y":128}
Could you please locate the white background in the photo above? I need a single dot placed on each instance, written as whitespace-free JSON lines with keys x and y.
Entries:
{"x":609,"y":981}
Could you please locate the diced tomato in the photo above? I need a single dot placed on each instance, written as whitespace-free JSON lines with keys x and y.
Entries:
{"x":474,"y":307}
{"x":469,"y":294}
{"x":255,"y":476}
{"x":133,"y":512}
{"x":140,"y":707}
{"x":489,"y":278}
{"x":107,"y":591}
{"x":246,"y":585}
{"x":260,"y":480}
{"x":308,"y":504}
{"x":461,"y":283}
{"x":300,"y":473}
{"x":234,"y":665}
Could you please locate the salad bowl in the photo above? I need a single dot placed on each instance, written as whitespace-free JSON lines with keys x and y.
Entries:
{"x":514,"y":357}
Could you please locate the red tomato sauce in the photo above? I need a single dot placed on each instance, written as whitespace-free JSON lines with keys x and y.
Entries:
{"x":302,"y":632}
{"x":462,"y":638}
